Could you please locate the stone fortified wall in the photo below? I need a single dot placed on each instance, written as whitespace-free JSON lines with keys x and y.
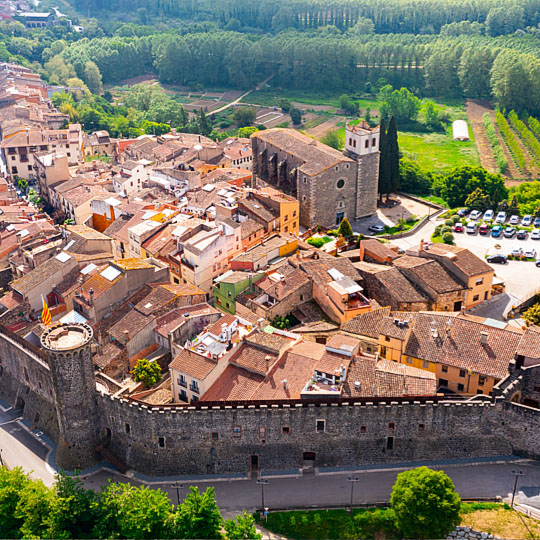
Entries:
{"x":227,"y":438}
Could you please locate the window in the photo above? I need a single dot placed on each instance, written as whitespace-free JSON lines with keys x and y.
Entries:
{"x":374,"y":142}
{"x":215,"y":436}
{"x":236,"y":431}
{"x":262,"y":433}
{"x":366,"y":143}
{"x":337,"y":168}
{"x":285,"y":430}
{"x":444,"y":369}
{"x":421,"y":427}
{"x":301,"y":297}
{"x":425,"y":364}
{"x":26,"y":374}
{"x":294,"y":213}
{"x":443,"y":383}
{"x":383,"y":352}
{"x":354,"y":143}
{"x":321,"y":426}
{"x":183,"y":395}
{"x":409,"y":360}
{"x":194,"y":398}
{"x":194,"y":387}
{"x":389,"y":443}
{"x":391,"y":426}
{"x":161,"y":442}
{"x":304,"y":198}
{"x":12,"y":158}
{"x":363,"y":429}
{"x":476,"y":297}
{"x":350,"y":141}
{"x":305,"y":180}
{"x":14,"y":170}
{"x":182,"y":380}
{"x":294,"y":224}
{"x":286,"y":217}
{"x":287,"y":228}
{"x":460,"y":387}
{"x":127,"y":428}
{"x":229,"y":294}
{"x":346,"y":165}
{"x":29,"y":167}
{"x":340,"y":183}
{"x":462,"y":373}
{"x":481,"y":380}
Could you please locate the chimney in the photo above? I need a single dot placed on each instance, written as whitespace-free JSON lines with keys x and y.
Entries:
{"x":484,"y":338}
{"x":126,"y":334}
{"x":422,"y":245}
{"x":267,"y":360}
{"x":284,"y":381}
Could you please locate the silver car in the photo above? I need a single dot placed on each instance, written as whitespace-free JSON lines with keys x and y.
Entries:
{"x":535,"y":234}
{"x":526,"y":221}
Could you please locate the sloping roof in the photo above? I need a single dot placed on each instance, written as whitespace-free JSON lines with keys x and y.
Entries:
{"x":317,"y":156}
{"x":431,"y":272}
{"x":529,"y":345}
{"x":156,"y":300}
{"x":132,"y":323}
{"x":193,"y":364}
{"x":253,"y":358}
{"x":422,"y":342}
{"x":393,"y":329}
{"x":379,"y":249}
{"x":235,"y":383}
{"x":399,"y":286}
{"x":215,"y":328}
{"x":465,"y":260}
{"x":367,"y":324}
{"x":43,"y":272}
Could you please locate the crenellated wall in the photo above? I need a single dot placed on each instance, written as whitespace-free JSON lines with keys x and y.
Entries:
{"x":232,"y":438}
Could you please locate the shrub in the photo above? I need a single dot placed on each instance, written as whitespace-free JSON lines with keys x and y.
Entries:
{"x":448,"y":238}
{"x":445,"y":230}
{"x":332,"y":232}
{"x":455,"y":218}
{"x":372,"y":522}
{"x":315,"y":242}
{"x":449,"y":222}
{"x":438,"y":230}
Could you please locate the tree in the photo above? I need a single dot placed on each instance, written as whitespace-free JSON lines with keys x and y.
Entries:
{"x":243,"y":528}
{"x":12,"y":485}
{"x":426,"y":503}
{"x":362,"y":27}
{"x":504,"y":20}
{"x":33,"y":509}
{"x":284,"y":105}
{"x":247,"y":131}
{"x":476,"y":200}
{"x":134,"y":512}
{"x":402,"y":104}
{"x":345,"y":228}
{"x":197,"y":517}
{"x":92,"y":78}
{"x":74,"y":511}
{"x":392,"y":155}
{"x":532,"y":315}
{"x":412,"y":179}
{"x":244,"y":116}
{"x":347,"y":105}
{"x":384,"y":166}
{"x":331,"y":138}
{"x":147,"y":372}
{"x":296,"y":116}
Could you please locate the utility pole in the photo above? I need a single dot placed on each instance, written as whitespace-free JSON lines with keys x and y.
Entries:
{"x":352,"y":480}
{"x":516,"y":474}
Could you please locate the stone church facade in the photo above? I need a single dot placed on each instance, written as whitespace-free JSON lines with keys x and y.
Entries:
{"x":328,"y":184}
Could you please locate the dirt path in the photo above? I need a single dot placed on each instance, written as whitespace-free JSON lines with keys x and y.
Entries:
{"x":475,"y":111}
{"x":321,"y":130}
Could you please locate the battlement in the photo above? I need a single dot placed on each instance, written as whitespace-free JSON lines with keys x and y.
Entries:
{"x":66,"y":337}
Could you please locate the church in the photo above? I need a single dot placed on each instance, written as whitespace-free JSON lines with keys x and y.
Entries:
{"x":329,"y":185}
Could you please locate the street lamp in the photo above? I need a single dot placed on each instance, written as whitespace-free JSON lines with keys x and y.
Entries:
{"x":516,"y":474}
{"x":177,"y":486}
{"x":263,"y":482}
{"x":352,"y":480}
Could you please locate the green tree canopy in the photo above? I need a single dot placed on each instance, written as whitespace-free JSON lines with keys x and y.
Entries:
{"x":332,"y":139}
{"x":243,"y":528}
{"x":147,"y":372}
{"x":345,"y":228}
{"x":92,"y":78}
{"x":296,"y":116}
{"x":244,"y":116}
{"x":412,"y":179}
{"x":532,"y":315}
{"x":402,"y":104}
{"x":425,"y":503}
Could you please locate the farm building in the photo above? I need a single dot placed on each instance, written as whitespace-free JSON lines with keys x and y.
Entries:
{"x":460,"y":130}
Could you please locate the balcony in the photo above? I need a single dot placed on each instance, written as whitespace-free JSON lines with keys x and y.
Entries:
{"x":182,"y":382}
{"x":194,"y":388}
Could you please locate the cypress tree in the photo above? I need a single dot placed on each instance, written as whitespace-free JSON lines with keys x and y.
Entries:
{"x":383,"y":164}
{"x":392,"y":152}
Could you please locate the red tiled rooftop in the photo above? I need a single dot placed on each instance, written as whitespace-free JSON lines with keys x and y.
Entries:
{"x":234,"y":384}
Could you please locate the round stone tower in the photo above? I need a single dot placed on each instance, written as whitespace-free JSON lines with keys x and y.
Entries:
{"x":68,"y":347}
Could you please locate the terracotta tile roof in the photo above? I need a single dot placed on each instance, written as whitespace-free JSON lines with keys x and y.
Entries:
{"x":258,"y":209}
{"x":379,"y":249}
{"x":215,"y":328}
{"x":132,"y":323}
{"x":193,"y":364}
{"x":430,"y":272}
{"x":318,"y":270}
{"x":394,"y":330}
{"x":361,"y":370}
{"x":182,"y":289}
{"x":421,"y":343}
{"x":529,"y":345}
{"x":157,"y":299}
{"x":110,"y":353}
{"x":174,"y":319}
{"x":340,"y":341}
{"x":367,"y":324}
{"x":249,"y":227}
{"x":317,"y":157}
{"x":253,"y":358}
{"x":271,"y":341}
{"x":234,"y":384}
{"x":465,"y":260}
{"x":157,"y":243}
{"x":98,"y":284}
{"x":283,"y":289}
{"x":399,"y":286}
{"x":463,"y":348}
{"x":11,"y":300}
{"x":331,"y":363}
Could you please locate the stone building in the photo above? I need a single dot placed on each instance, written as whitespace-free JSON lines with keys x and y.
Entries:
{"x":328,"y":184}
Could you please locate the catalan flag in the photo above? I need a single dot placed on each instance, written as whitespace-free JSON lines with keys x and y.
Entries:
{"x":45,"y":313}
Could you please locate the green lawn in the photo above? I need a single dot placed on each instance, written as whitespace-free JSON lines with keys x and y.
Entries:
{"x":271,"y":96}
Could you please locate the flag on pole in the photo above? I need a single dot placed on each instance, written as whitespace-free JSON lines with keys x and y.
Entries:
{"x":45,"y":313}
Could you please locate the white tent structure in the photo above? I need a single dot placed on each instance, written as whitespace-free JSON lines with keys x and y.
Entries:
{"x":460,"y":130}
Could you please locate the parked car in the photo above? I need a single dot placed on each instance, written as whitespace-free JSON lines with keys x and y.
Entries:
{"x":509,"y":232}
{"x":522,"y":235}
{"x":535,"y":234}
{"x":536,"y":222}
{"x":538,"y":263}
{"x":458,"y":227}
{"x":501,"y":217}
{"x":497,"y":258}
{"x":376,"y":228}
{"x":496,"y":231}
{"x":483,"y":229}
{"x":530,"y":253}
{"x":462,"y":212}
{"x":526,"y":221}
{"x":475,"y":214}
{"x":514,"y":220}
{"x":517,"y":252}
{"x":488,"y":215}
{"x":471,"y":227}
